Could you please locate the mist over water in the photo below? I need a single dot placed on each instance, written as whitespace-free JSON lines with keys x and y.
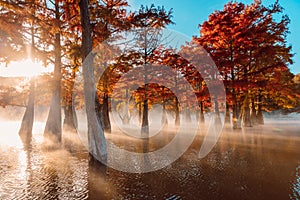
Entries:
{"x":261,"y":162}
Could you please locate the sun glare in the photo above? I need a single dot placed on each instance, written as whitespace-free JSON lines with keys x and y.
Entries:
{"x":24,"y":68}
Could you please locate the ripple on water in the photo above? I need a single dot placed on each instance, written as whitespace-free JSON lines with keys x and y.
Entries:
{"x":35,"y":173}
{"x":296,"y":185}
{"x":242,"y":165}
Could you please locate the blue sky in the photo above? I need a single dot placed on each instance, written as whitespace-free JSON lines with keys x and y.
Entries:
{"x":187,"y":14}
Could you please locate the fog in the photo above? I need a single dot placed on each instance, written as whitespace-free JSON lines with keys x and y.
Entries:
{"x":252,"y":162}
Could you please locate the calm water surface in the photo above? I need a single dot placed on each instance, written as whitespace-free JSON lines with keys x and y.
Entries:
{"x":254,"y":163}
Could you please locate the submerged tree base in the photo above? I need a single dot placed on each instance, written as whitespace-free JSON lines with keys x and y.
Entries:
{"x":145,"y":131}
{"x":52,"y":137}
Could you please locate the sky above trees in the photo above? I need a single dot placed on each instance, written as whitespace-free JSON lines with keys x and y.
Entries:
{"x":188,"y":14}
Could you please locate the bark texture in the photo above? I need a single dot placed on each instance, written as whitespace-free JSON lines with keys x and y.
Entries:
{"x":96,"y":138}
{"x":27,"y":122}
{"x":53,"y":128}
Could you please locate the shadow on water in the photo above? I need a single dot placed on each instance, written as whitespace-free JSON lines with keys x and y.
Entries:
{"x":97,"y":187}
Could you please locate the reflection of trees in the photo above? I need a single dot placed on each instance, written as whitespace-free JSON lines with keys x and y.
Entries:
{"x":62,"y":179}
{"x":48,"y":177}
{"x":97,"y":183}
{"x":27,"y":148}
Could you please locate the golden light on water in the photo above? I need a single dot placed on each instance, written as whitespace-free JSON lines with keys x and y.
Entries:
{"x":24,"y":68}
{"x":8,"y":134}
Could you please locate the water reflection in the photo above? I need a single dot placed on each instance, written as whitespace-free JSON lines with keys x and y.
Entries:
{"x":245,"y":164}
{"x":98,"y":187}
{"x":36,"y":169}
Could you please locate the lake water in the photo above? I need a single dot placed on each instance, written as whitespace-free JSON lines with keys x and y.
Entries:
{"x":262,"y":162}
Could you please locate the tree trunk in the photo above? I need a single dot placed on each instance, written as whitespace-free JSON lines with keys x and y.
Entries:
{"x":53,"y":127}
{"x":260,"y":117}
{"x":246,"y":113}
{"x":105,"y":103}
{"x":96,"y":138}
{"x":70,"y":121}
{"x":236,"y":121}
{"x":202,"y":119}
{"x":188,"y":117}
{"x":197,"y":113}
{"x":105,"y":114}
{"x":125,"y":120}
{"x":140,"y":112}
{"x":145,"y":120}
{"x":124,"y":114}
{"x":98,"y":110}
{"x":217,"y":117}
{"x":227,"y":114}
{"x":27,"y":122}
{"x":187,"y":112}
{"x":253,"y":113}
{"x":127,"y":116}
{"x":53,"y":124}
{"x":177,"y":114}
{"x":164,"y":119}
{"x":177,"y":110}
